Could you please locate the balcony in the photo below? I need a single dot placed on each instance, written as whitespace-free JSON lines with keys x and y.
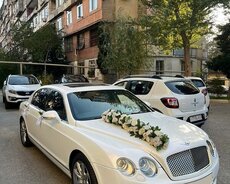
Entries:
{"x":19,"y":8}
{"x":32,"y":3}
{"x":61,"y":8}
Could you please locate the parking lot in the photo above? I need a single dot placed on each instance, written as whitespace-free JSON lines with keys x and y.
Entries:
{"x":21,"y":165}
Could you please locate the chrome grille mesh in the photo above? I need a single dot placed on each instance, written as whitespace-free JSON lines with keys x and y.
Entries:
{"x":189,"y":161}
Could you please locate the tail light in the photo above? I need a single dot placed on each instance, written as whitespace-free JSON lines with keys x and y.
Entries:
{"x":205,"y":91}
{"x":170,"y":102}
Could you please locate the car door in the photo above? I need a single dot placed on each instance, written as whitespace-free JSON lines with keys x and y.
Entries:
{"x":55,"y":132}
{"x":33,"y":114}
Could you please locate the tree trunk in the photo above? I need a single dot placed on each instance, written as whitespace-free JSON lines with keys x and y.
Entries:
{"x":187,"y":61}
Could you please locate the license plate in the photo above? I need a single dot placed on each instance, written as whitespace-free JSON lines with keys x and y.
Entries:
{"x":207,"y":180}
{"x":195,"y":118}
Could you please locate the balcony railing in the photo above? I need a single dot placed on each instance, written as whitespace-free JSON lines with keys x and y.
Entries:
{"x":19,"y":9}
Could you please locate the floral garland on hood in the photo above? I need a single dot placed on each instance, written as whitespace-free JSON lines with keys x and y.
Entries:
{"x":137,"y":128}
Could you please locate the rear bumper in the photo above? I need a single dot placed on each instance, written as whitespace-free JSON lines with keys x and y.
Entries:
{"x":187,"y":116}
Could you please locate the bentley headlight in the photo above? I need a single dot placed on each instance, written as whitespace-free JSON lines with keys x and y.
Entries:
{"x":12,"y":91}
{"x":147,"y":166}
{"x":125,"y":166}
{"x":212,"y":147}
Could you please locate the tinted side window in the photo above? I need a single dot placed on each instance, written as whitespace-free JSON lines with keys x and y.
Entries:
{"x":182,"y":87}
{"x":39,"y":98}
{"x":140,"y":87}
{"x":198,"y":83}
{"x":55,"y":102}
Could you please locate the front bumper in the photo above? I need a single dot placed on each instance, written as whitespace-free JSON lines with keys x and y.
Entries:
{"x":14,"y":98}
{"x":113,"y":176}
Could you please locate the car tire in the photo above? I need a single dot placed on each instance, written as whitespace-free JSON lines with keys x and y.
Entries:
{"x":3,"y":99}
{"x":24,"y":135}
{"x":82,"y":171}
{"x":7,"y":104}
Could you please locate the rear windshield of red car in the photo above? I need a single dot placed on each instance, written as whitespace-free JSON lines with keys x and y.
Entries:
{"x":182,"y":87}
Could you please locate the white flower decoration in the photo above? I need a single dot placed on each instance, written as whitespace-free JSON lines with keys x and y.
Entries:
{"x":137,"y":128}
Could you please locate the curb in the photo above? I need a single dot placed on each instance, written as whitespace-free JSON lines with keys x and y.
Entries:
{"x":219,"y":101}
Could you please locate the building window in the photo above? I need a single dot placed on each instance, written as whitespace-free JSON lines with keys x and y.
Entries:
{"x":159,"y":66}
{"x":92,"y":5}
{"x":81,"y":68}
{"x":35,"y":20}
{"x":59,"y":24}
{"x":92,"y":66}
{"x":59,"y":3}
{"x":182,"y":65}
{"x":79,"y":11}
{"x":69,"y":17}
{"x":93,"y":37}
{"x":44,"y":14}
{"x":69,"y":44}
{"x":80,"y":41}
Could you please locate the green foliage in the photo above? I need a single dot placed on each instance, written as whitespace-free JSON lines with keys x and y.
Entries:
{"x":221,"y":62}
{"x":178,"y":23}
{"x":20,"y":34}
{"x":121,"y":47}
{"x":215,"y":87}
{"x":42,"y":45}
{"x":45,"y":45}
{"x":5,"y":70}
{"x":46,"y":79}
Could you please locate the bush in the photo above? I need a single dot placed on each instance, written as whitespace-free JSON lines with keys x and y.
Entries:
{"x":215,"y":87}
{"x":46,"y":79}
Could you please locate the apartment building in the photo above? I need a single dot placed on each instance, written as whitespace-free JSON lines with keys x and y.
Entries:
{"x":77,"y":21}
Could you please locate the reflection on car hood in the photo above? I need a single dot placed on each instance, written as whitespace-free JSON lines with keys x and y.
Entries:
{"x":182,"y":135}
{"x":32,"y":87}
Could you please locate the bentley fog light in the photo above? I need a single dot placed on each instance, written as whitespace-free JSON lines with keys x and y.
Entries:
{"x":147,"y":167}
{"x":125,"y":166}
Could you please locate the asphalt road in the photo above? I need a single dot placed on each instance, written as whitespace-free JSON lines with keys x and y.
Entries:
{"x":19,"y":165}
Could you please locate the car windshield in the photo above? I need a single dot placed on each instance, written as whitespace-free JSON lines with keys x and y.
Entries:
{"x":183,"y":87}
{"x":91,"y":104}
{"x":22,"y":80}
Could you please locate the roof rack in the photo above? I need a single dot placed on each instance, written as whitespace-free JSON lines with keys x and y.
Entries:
{"x":153,"y":76}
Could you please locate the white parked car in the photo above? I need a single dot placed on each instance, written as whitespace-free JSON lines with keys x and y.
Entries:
{"x":199,"y":83}
{"x":106,"y":135}
{"x":18,"y":88}
{"x":173,"y":96}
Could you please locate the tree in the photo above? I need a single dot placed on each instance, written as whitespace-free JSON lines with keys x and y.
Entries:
{"x":121,"y":47}
{"x":45,"y":45}
{"x":18,"y":46}
{"x":221,"y":62}
{"x":178,"y":23}
{"x":40,"y":46}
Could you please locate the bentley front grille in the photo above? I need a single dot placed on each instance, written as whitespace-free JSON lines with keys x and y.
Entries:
{"x":188,"y":162}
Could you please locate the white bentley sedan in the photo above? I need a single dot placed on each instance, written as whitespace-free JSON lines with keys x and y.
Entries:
{"x":101,"y":134}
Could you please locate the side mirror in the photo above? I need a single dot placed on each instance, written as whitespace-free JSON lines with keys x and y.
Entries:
{"x":4,"y":83}
{"x":51,"y":115}
{"x":40,"y":82}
